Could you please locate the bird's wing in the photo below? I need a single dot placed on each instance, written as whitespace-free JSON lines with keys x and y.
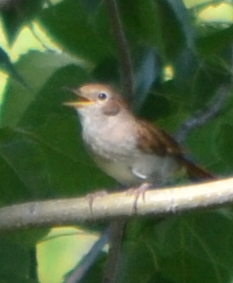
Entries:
{"x":155,"y":140}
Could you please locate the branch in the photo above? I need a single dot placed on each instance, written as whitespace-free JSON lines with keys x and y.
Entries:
{"x":203,"y":117}
{"x":157,"y":202}
{"x":87,"y":261}
{"x":113,"y":260}
{"x":123,"y":48}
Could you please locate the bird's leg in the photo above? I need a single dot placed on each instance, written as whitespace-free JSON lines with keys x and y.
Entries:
{"x":140,"y":191}
{"x":91,"y":197}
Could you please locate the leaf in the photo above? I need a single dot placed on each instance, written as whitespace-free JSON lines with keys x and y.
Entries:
{"x":36,"y":67}
{"x":16,"y":15}
{"x":14,"y":260}
{"x":199,"y":246}
{"x":7,"y":66}
{"x":169,"y":30}
{"x":91,"y":5}
{"x":187,"y":248}
{"x":68,"y":245}
{"x":139,"y":19}
{"x":183,"y":17}
{"x":79,"y":32}
{"x":225,"y":139}
{"x":215,"y":41}
{"x":23,"y":166}
{"x":72,"y":172}
{"x":202,"y":145}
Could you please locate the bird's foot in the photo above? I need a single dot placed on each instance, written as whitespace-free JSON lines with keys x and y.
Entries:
{"x":91,"y":197}
{"x":140,"y":191}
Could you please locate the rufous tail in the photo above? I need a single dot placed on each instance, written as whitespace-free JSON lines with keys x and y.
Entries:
{"x":196,"y":172}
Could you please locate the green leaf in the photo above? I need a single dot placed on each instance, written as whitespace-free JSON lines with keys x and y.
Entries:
{"x":16,"y":15}
{"x":187,"y":248}
{"x":215,"y":41}
{"x":196,"y":247}
{"x":225,"y":139}
{"x":23,"y":164}
{"x":36,"y":67}
{"x":87,"y":35}
{"x":203,"y":145}
{"x":91,"y":5}
{"x":140,"y":20}
{"x":183,"y":17}
{"x":7,"y":66}
{"x":14,"y":261}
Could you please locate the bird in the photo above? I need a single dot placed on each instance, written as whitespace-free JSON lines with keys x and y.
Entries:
{"x":134,"y":152}
{"x":131,"y":150}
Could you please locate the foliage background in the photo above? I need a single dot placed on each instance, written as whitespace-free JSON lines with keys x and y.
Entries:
{"x":182,"y":53}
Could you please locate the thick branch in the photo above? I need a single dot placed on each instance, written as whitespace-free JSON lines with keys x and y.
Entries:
{"x":77,"y":210}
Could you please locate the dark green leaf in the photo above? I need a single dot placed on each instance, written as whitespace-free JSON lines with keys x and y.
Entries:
{"x":7,"y":66}
{"x":23,"y":164}
{"x":194,"y":251}
{"x":36,"y":67}
{"x":86,"y":35}
{"x":223,"y":144}
{"x":184,"y":18}
{"x":91,"y":5}
{"x":14,"y":260}
{"x":215,"y":41}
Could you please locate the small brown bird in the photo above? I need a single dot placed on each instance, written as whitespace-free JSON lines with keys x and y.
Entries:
{"x":130,"y":150}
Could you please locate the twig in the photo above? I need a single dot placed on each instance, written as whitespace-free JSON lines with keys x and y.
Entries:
{"x":88,"y":260}
{"x":123,"y":48}
{"x":116,"y":235}
{"x":157,"y":202}
{"x":202,"y":117}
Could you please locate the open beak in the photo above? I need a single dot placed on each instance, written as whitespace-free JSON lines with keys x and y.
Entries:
{"x":81,"y":102}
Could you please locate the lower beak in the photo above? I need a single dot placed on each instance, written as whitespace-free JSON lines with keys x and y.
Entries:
{"x":79,"y":103}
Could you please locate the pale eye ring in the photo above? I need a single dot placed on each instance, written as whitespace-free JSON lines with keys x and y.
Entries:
{"x":102,"y":96}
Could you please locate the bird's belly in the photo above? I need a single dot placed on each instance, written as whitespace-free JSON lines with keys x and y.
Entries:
{"x":120,"y":170}
{"x":158,"y":170}
{"x":140,"y":168}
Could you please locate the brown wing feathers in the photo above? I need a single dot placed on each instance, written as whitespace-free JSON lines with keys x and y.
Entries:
{"x":155,"y":140}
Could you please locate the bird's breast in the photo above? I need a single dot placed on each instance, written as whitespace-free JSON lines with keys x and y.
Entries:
{"x":110,"y":140}
{"x":116,"y":151}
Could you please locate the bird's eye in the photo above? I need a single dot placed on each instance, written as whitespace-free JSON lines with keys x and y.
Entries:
{"x":102,"y":96}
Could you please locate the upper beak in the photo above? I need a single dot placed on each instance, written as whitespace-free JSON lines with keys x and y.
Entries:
{"x":81,"y":102}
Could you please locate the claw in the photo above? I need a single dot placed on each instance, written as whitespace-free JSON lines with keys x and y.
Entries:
{"x":93,"y":196}
{"x":140,"y":191}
